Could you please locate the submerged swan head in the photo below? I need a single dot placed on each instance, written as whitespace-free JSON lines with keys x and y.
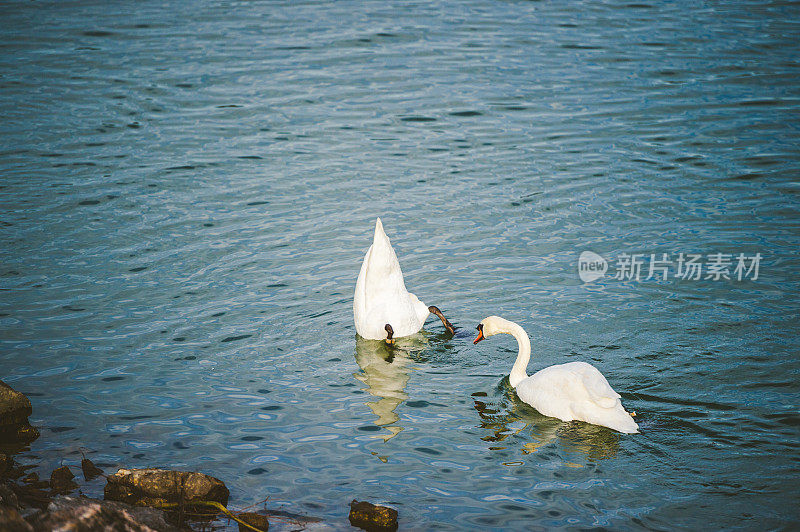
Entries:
{"x":494,"y":325}
{"x":572,"y":391}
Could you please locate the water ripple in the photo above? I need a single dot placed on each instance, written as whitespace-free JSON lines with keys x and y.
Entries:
{"x":188,"y":191}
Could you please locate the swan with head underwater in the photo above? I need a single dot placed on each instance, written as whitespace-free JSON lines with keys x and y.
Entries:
{"x":382,"y":307}
{"x":572,"y":391}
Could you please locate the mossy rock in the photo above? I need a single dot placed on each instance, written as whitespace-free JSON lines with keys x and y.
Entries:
{"x":372,"y":517}
{"x":61,"y":480}
{"x":14,"y":406}
{"x":159,"y":487}
{"x":14,"y":411}
{"x":258,"y":521}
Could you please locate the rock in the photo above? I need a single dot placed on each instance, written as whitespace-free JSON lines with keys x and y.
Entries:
{"x":32,"y":480}
{"x":8,"y":497}
{"x":29,"y":495}
{"x":258,"y":521}
{"x":84,"y":514}
{"x":24,"y":433}
{"x":14,"y":406}
{"x":89,"y":469}
{"x":14,"y":411}
{"x":11,"y":521}
{"x":61,"y":480}
{"x":6,"y":463}
{"x":155,"y":487}
{"x":372,"y":517}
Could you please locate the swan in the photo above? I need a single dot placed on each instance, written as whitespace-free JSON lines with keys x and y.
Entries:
{"x":382,"y":307}
{"x":572,"y":391}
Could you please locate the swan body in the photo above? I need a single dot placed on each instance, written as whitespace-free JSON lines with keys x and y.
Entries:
{"x":572,"y":391}
{"x":381,"y":297}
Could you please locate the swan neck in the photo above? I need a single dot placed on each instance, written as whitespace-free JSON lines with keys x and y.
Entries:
{"x":518,"y":373}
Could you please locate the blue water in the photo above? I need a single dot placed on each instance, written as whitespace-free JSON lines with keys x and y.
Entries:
{"x":188,"y":189}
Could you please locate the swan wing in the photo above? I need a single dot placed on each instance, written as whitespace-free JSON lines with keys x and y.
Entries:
{"x":597,"y":388}
{"x":576,"y":391}
{"x":421,"y":311}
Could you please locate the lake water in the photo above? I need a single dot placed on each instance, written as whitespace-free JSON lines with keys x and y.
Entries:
{"x":188,"y":189}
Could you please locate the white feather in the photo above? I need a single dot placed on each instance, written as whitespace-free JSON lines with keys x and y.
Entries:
{"x":572,"y":391}
{"x":381,"y":296}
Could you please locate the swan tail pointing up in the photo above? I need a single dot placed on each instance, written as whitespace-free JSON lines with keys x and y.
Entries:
{"x":381,"y":297}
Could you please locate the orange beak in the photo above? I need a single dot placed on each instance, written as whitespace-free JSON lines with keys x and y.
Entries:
{"x":479,"y":338}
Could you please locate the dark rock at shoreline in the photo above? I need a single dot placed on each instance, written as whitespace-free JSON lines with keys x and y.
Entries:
{"x":157,"y":487}
{"x":10,"y":518}
{"x":14,"y":406}
{"x":24,"y":433}
{"x":8,"y":497}
{"x":80,"y":513}
{"x":14,"y":411}
{"x":372,"y":517}
{"x":90,"y":470}
{"x":6,"y":463}
{"x":12,"y":521}
{"x":30,"y":496}
{"x":61,"y":480}
{"x":32,"y":480}
{"x":257,"y":520}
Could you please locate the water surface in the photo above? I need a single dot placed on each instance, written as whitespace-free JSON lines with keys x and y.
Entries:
{"x":188,"y":190}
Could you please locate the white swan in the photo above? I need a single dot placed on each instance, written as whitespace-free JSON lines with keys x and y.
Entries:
{"x":572,"y":391}
{"x":382,"y":307}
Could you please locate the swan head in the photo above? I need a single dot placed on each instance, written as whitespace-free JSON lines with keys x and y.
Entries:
{"x":491,"y":326}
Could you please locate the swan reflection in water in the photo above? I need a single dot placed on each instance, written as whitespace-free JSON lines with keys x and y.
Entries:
{"x":385,"y":370}
{"x":512,"y":416}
